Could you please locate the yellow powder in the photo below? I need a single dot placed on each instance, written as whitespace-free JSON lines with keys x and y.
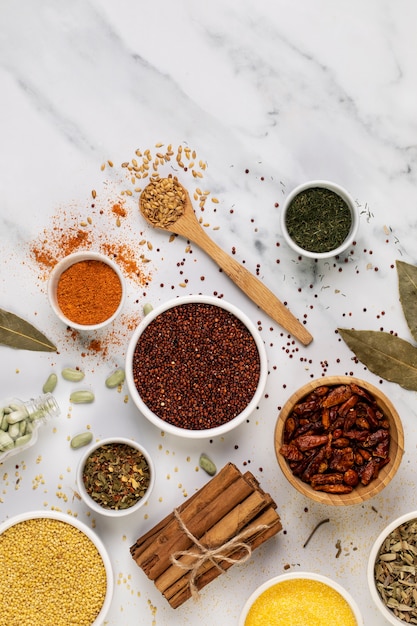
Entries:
{"x":300,"y":602}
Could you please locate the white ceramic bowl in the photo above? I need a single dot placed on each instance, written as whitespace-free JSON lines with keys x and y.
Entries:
{"x":189,"y":432}
{"x":95,"y":506}
{"x":299,"y":576}
{"x":63,"y":265}
{"x":385,"y":612}
{"x":340,"y":191}
{"x":68,"y":519}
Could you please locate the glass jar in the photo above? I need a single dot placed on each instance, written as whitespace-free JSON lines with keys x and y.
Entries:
{"x":20,"y":419}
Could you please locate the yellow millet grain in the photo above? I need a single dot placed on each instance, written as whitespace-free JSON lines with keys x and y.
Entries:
{"x":51,"y":573}
{"x":300,"y":602}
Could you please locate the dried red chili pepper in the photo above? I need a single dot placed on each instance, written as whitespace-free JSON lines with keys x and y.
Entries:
{"x":336,"y":438}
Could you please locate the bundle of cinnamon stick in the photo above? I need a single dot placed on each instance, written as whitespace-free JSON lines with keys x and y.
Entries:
{"x":221,"y":524}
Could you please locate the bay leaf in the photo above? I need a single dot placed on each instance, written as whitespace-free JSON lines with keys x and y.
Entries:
{"x":407,"y":286}
{"x":16,"y":332}
{"x":385,"y":355}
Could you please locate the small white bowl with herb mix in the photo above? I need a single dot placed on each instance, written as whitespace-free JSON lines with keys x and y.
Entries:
{"x":86,"y":290}
{"x":392,"y":571}
{"x":319,"y":219}
{"x":115,"y":476}
{"x":54,"y":570}
{"x":196,"y":367}
{"x":300,"y":598}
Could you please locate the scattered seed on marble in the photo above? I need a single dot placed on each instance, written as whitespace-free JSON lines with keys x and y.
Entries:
{"x":115,"y":379}
{"x":207,"y":464}
{"x":50,"y":383}
{"x":82,"y":397}
{"x":147,"y":308}
{"x":82,"y":439}
{"x":72,"y":374}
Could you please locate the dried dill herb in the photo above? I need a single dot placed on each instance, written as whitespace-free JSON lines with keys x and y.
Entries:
{"x":116,"y":476}
{"x":318,"y":219}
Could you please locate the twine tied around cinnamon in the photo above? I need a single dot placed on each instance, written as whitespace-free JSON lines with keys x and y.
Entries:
{"x":214,"y":555}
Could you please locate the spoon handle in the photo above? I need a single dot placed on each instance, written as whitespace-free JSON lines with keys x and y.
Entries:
{"x":249,"y":284}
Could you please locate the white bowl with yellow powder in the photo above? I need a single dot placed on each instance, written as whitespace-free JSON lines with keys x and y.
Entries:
{"x":54,"y":570}
{"x":300,"y":599}
{"x":86,"y":290}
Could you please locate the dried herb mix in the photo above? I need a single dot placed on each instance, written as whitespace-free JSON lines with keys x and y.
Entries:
{"x":116,"y":476}
{"x":318,"y":220}
{"x":196,"y":366}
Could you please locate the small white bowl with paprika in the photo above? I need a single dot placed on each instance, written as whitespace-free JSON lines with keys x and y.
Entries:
{"x":86,"y":290}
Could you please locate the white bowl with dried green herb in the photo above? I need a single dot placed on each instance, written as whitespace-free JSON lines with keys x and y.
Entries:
{"x":319,"y":219}
{"x":115,"y":476}
{"x":392,"y":567}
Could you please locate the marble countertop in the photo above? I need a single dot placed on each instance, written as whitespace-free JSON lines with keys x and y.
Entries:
{"x":268,"y":95}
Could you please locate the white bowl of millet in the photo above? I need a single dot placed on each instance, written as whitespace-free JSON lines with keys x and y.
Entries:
{"x":54,"y":570}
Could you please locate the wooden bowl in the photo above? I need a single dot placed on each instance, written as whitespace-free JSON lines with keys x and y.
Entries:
{"x":361,"y":492}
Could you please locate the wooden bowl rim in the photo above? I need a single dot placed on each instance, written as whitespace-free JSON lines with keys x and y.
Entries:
{"x":361,"y":492}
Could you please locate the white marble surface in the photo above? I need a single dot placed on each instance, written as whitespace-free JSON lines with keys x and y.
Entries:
{"x":290,"y":91}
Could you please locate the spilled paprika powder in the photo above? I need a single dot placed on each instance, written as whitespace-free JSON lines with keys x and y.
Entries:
{"x":89,"y":292}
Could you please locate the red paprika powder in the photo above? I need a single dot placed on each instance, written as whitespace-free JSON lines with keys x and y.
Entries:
{"x":89,"y":292}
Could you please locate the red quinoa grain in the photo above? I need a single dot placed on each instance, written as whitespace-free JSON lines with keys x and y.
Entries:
{"x":196,"y":366}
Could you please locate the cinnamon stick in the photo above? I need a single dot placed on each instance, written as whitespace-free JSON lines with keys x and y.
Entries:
{"x":222,"y":479}
{"x":204,"y":531}
{"x":144,"y":547}
{"x":173,"y":539}
{"x":180,"y":592}
{"x":152,"y":552}
{"x":227,"y":527}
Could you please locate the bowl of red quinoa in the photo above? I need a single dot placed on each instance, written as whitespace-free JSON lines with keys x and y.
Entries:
{"x":115,"y":476}
{"x":339,"y":440}
{"x":196,"y":367}
{"x":54,"y":570}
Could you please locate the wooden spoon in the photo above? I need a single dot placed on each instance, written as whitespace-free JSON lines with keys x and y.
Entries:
{"x":188,"y":226}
